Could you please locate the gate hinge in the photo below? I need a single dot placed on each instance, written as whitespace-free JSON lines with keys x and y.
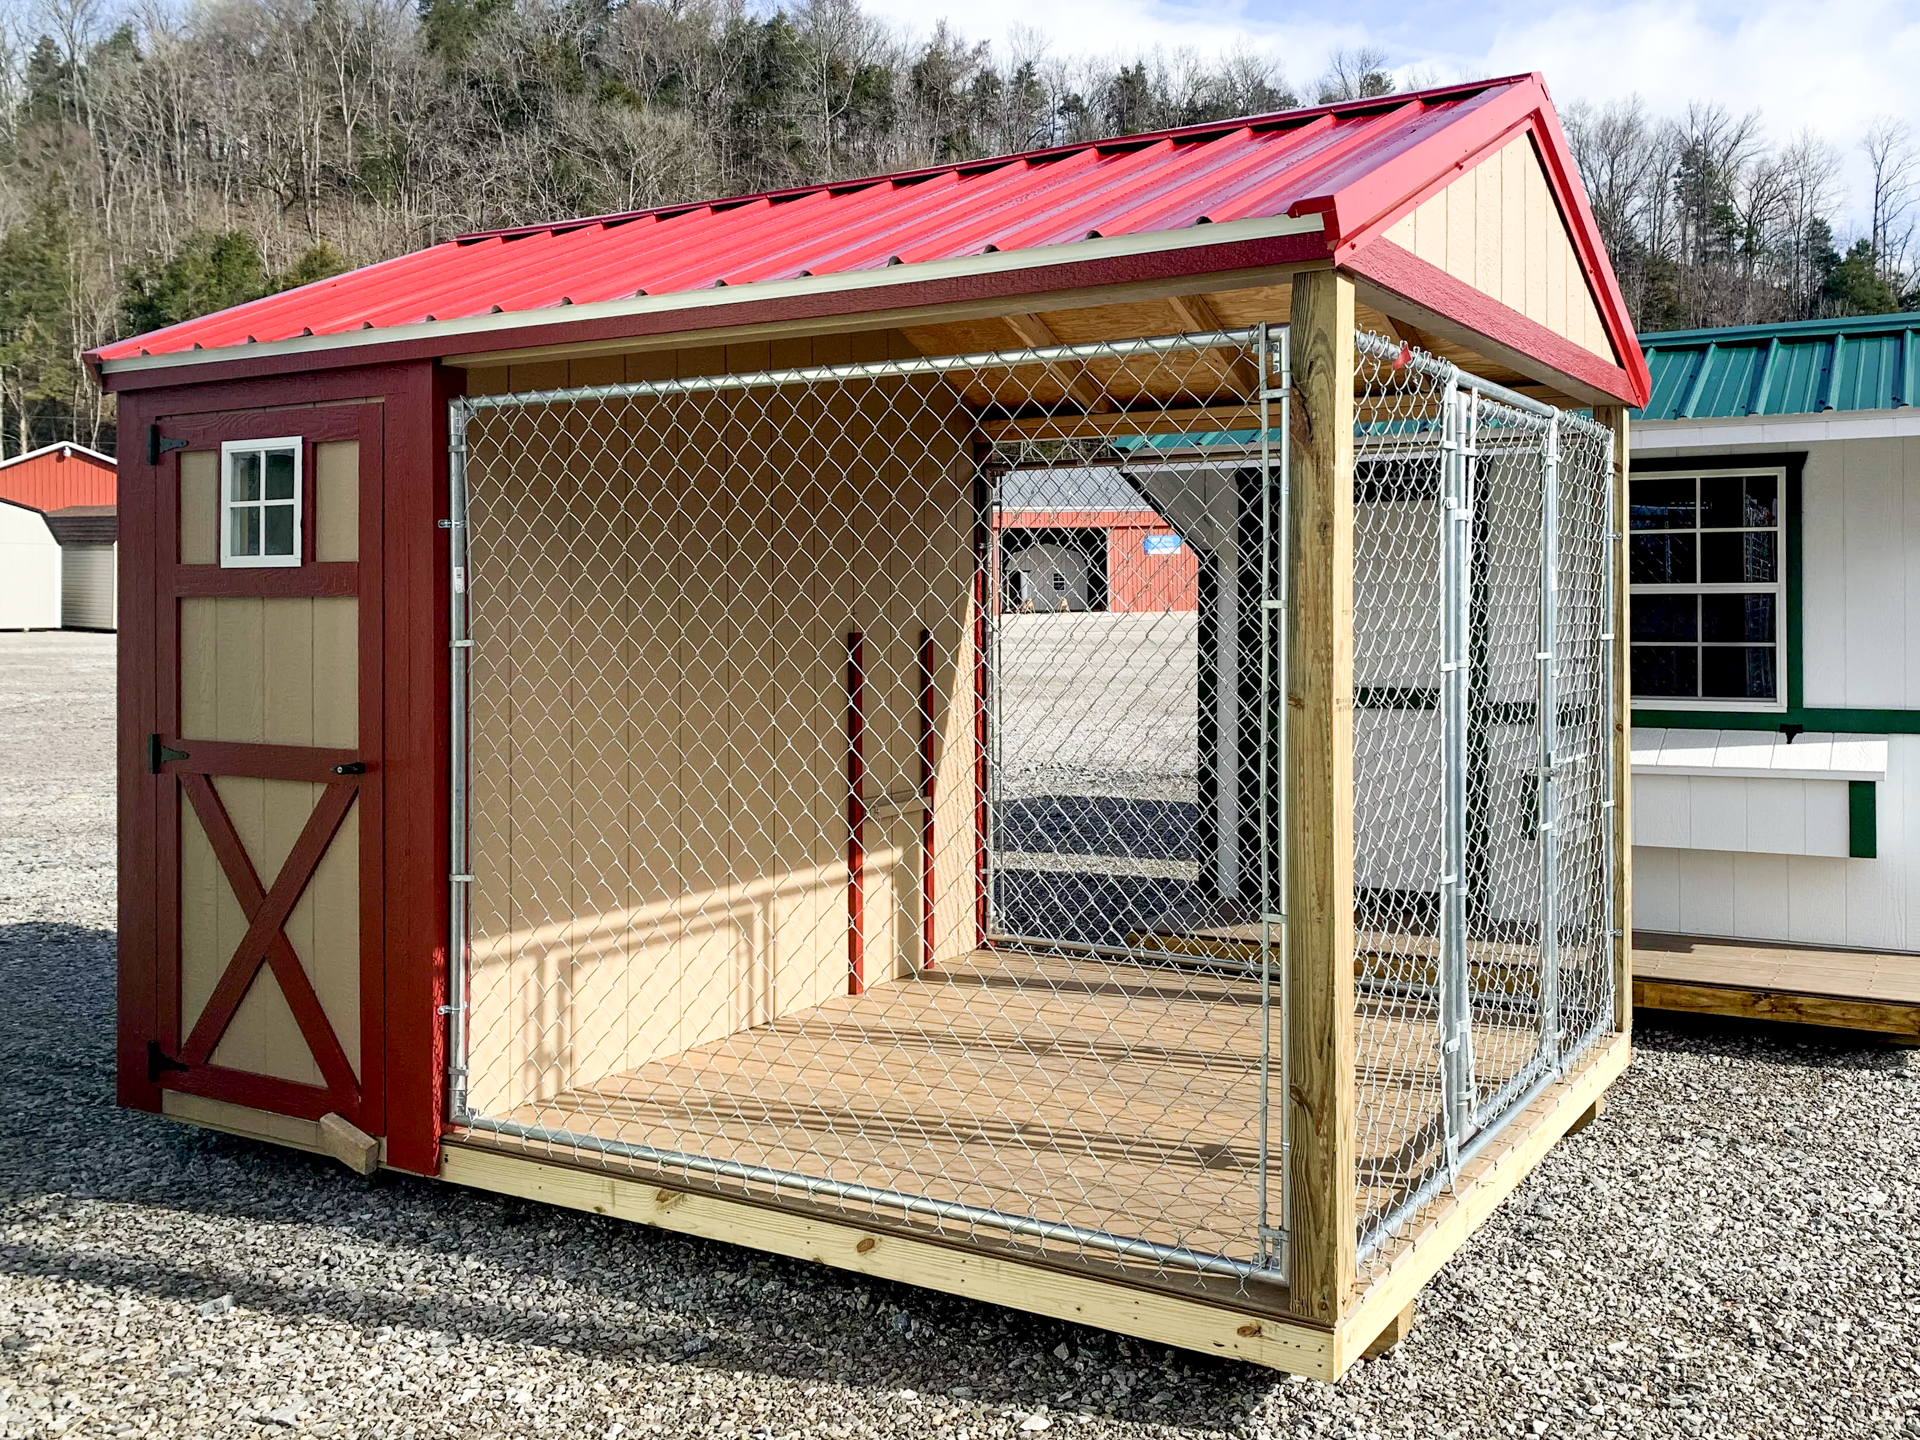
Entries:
{"x":156,"y":446}
{"x":158,"y":1061}
{"x":158,"y":754}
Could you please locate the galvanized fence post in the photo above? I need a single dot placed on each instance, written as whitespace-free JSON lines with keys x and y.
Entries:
{"x":460,"y":877}
{"x":1548,"y":728}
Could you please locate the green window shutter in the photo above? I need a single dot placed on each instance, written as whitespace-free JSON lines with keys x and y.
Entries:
{"x":1863,"y":820}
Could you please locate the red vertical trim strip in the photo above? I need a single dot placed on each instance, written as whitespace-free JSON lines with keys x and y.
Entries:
{"x":985,"y":588}
{"x":926,"y":799}
{"x":139,"y":925}
{"x":417,"y":758}
{"x":164,"y":617}
{"x":371,"y":742}
{"x":856,"y":818}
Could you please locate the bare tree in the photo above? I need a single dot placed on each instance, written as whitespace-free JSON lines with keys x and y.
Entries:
{"x":1896,"y":186}
{"x":1356,"y":73}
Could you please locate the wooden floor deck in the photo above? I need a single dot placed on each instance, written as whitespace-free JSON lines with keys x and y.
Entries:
{"x":1842,"y":989}
{"x":1110,"y":1096}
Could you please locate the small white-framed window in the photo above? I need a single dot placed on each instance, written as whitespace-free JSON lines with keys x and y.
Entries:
{"x":260,"y":502}
{"x":1707,"y":562}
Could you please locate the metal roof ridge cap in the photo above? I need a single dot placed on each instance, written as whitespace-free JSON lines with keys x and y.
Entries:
{"x":1889,"y":323}
{"x":1194,"y":237}
{"x":1270,"y":119}
{"x":1329,"y":163}
{"x":967,"y":228}
{"x":1366,"y":185}
{"x":989,"y":187}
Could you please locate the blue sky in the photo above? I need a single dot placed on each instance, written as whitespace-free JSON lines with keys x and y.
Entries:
{"x":1829,"y":65}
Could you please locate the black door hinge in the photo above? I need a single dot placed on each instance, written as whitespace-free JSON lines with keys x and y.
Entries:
{"x":158,"y":1062}
{"x":352,"y":767}
{"x":156,"y":447}
{"x":158,"y":754}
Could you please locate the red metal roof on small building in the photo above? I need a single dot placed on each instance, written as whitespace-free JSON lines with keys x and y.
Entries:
{"x":56,"y":476}
{"x":1357,"y":165}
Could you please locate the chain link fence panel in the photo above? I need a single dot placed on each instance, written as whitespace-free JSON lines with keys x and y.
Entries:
{"x":853,"y":754}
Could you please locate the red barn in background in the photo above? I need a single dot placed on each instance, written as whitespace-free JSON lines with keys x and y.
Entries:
{"x":1084,"y":539}
{"x":55,"y":477}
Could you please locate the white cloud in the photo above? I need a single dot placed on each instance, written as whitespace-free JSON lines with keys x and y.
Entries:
{"x":1829,"y":65}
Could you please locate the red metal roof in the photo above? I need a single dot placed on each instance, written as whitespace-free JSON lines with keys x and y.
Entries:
{"x":59,"y":475}
{"x":1351,"y":164}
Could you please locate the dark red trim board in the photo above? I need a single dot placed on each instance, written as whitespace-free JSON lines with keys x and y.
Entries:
{"x":138,"y":1017}
{"x":856,"y":815}
{"x":723,"y":314}
{"x":416,"y":758}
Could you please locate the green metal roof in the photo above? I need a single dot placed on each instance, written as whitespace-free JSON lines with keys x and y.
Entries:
{"x":1871,"y":362}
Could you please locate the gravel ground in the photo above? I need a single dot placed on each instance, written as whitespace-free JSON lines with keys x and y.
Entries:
{"x":1731,"y":1250}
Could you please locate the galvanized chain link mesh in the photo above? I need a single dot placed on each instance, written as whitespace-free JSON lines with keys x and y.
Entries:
{"x":1397,"y":770}
{"x":1483,"y":882}
{"x":872,"y":793}
{"x":863,"y":780}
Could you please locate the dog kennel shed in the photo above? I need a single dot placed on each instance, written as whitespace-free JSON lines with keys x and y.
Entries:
{"x":574,"y":742}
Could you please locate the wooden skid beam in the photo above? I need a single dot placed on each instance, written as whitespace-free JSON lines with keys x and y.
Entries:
{"x":1893,"y":1018}
{"x":1037,"y":1289}
{"x":1209,"y":1328}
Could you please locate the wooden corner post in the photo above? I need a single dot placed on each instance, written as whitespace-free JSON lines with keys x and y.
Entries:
{"x":1615,"y":419}
{"x":1319,"y":761}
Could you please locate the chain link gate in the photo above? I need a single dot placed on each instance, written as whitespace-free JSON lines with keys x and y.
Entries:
{"x":785,"y":699}
{"x":1483,"y":765}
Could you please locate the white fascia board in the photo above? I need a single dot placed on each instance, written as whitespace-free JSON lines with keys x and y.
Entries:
{"x":1769,"y":432}
{"x":718,"y":300}
{"x":1758,"y":754}
{"x":73,"y":446}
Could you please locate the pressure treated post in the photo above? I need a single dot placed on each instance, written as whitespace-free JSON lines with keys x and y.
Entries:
{"x":1615,"y":419}
{"x":1320,"y":800}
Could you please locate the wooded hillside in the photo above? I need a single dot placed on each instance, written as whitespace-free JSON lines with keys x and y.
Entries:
{"x":166,"y":160}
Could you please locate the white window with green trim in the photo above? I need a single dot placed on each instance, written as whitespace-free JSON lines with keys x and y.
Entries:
{"x":260,"y":502}
{"x":1707,"y":562}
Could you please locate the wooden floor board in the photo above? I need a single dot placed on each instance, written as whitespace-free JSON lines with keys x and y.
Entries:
{"x":1112,"y":1096}
{"x":1845,"y":989}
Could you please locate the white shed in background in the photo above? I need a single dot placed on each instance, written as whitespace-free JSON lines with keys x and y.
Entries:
{"x":1775,"y":568}
{"x":29,"y":570}
{"x":89,"y":565}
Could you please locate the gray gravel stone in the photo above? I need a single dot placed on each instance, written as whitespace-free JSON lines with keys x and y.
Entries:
{"x":1732,"y":1250}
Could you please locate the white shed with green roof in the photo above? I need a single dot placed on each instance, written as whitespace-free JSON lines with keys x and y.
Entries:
{"x":1775,"y":561}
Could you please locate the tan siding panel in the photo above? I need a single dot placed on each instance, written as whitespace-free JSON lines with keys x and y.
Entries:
{"x":1498,"y":229}
{"x":263,"y":1037}
{"x":200,"y":507}
{"x":336,"y":500}
{"x":662,"y":592}
{"x":325,"y":930}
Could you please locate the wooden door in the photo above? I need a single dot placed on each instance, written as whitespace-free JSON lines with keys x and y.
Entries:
{"x":268,"y":761}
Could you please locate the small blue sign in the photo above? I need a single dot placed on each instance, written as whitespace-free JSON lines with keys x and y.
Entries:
{"x":1162,"y":544}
